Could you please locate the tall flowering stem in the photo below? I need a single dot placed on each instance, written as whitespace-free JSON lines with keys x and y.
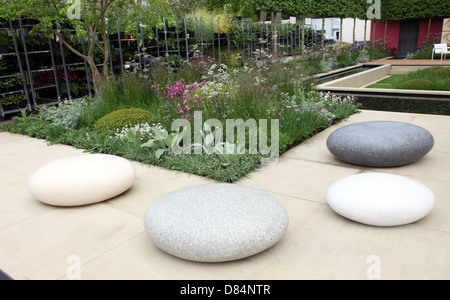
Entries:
{"x":185,"y":98}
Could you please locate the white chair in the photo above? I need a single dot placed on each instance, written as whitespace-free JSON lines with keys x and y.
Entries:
{"x":441,"y":49}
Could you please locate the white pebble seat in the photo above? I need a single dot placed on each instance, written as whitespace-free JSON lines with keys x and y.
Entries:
{"x":380,"y":199}
{"x":81,"y":180}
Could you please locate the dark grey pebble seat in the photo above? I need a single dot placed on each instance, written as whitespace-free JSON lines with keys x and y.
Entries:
{"x":380,"y":143}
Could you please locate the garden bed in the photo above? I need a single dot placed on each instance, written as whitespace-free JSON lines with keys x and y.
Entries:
{"x":270,"y":105}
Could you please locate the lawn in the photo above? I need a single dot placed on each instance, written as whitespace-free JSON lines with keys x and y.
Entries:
{"x":385,"y":83}
{"x":433,"y":78}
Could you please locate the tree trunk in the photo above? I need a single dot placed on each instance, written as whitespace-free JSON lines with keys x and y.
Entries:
{"x":374,"y":30}
{"x":89,"y":58}
{"x":429,"y":29}
{"x":365,"y":34}
{"x":263,"y":16}
{"x":385,"y":33}
{"x":341,"y":20}
{"x":354,"y":33}
{"x":97,"y":78}
{"x":303,"y":36}
{"x":323,"y":32}
{"x":275,"y":17}
{"x":105,"y":39}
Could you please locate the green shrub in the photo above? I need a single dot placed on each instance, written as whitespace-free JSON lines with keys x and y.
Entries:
{"x":121,"y":118}
{"x":127,"y":90}
{"x":235,"y":57}
{"x":217,"y":98}
{"x":443,"y":71}
{"x":12,"y":99}
{"x":377,"y":51}
{"x":344,"y":59}
{"x":424,"y":52}
{"x":191,"y":71}
{"x":417,"y":84}
{"x":67,"y":113}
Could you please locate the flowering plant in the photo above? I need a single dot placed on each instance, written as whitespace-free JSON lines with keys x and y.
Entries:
{"x":185,"y":97}
{"x":324,"y":105}
{"x":139,"y":132}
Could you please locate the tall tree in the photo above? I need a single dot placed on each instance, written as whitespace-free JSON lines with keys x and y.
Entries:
{"x":432,"y":9}
{"x":88,"y":17}
{"x":341,"y":9}
{"x":247,"y":8}
{"x":240,"y":8}
{"x":325,"y":9}
{"x":292,"y":7}
{"x":302,"y":7}
{"x":411,"y":9}
{"x":181,"y":8}
{"x":357,"y":9}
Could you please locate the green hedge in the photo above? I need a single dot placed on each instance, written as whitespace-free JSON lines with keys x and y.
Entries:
{"x":121,"y":118}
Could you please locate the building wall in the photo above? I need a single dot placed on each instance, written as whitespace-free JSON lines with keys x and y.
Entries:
{"x":347,"y":30}
{"x":393,"y":30}
{"x":330,"y":25}
{"x":332,"y":28}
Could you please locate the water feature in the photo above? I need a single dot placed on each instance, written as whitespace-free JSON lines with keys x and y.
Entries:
{"x":408,"y":105}
{"x":327,"y":78}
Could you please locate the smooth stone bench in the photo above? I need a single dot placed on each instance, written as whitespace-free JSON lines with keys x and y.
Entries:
{"x":215,"y":222}
{"x":380,"y":199}
{"x":81,"y":180}
{"x":380,"y":143}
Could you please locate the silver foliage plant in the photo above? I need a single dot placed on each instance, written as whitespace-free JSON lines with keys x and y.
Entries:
{"x":67,"y":113}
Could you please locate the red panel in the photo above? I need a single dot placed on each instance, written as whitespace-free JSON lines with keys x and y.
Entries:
{"x":435,"y":30}
{"x":392,"y":32}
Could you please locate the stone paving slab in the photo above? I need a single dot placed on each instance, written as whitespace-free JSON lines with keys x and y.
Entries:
{"x":298,"y":178}
{"x":37,"y":241}
{"x":335,"y":248}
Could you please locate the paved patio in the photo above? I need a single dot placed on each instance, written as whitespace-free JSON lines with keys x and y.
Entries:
{"x":39,"y":241}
